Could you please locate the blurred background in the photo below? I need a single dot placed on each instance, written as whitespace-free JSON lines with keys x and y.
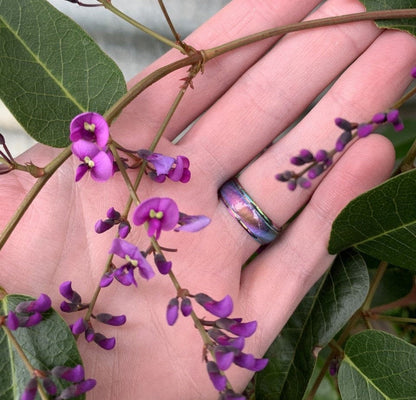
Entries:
{"x":131,"y":49}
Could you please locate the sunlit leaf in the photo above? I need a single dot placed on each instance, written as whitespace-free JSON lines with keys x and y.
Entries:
{"x":321,"y":314}
{"x":51,"y":70}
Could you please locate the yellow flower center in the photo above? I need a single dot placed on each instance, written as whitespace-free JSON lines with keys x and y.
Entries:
{"x":89,"y":162}
{"x":130,"y":260}
{"x":154,"y":214}
{"x":89,"y":127}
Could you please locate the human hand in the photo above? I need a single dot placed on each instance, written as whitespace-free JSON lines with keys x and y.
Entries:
{"x":249,"y":97}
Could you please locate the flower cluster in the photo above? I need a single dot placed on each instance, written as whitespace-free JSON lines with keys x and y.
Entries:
{"x":225,"y":349}
{"x":113,"y":218}
{"x":89,"y":134}
{"x":79,"y":385}
{"x":28,"y":313}
{"x":81,"y":325}
{"x":317,"y":163}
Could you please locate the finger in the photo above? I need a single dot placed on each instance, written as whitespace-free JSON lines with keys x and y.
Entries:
{"x":237,"y":19}
{"x":355,"y":97}
{"x":277,"y":280}
{"x":277,"y":89}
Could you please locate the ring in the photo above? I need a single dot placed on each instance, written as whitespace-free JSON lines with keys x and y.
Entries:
{"x":243,"y":208}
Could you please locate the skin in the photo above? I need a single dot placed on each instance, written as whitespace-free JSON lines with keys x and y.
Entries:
{"x":252,"y":97}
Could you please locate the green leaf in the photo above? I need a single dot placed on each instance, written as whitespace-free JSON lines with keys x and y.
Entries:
{"x":381,"y":223}
{"x":51,"y":70}
{"x":320,"y":315}
{"x":378,"y":365}
{"x":46,"y":345}
{"x":405,"y":24}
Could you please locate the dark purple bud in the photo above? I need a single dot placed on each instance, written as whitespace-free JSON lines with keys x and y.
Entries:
{"x":249,"y":362}
{"x":237,"y":327}
{"x":224,"y":357}
{"x":343,"y":140}
{"x":12,"y":322}
{"x":321,"y":155}
{"x":78,"y":389}
{"x":68,"y":307}
{"x":103,"y":226}
{"x":379,"y":118}
{"x":413,"y":72}
{"x":42,"y":304}
{"x":105,"y":343}
{"x":219,"y":381}
{"x":304,"y":183}
{"x":306,"y":155}
{"x":89,"y":334}
{"x":75,"y":374}
{"x":32,"y":320}
{"x":186,"y":306}
{"x":124,"y":229}
{"x":284,"y":176}
{"x":162,"y":265}
{"x":31,"y":390}
{"x":222,"y":308}
{"x":66,"y":291}
{"x":394,"y":118}
{"x":222,"y":339}
{"x":295,"y":160}
{"x":315,"y":171}
{"x":333,"y":367}
{"x":343,"y":124}
{"x":291,"y":185}
{"x":113,"y":214}
{"x":79,"y":326}
{"x":114,"y":320}
{"x":364,"y":130}
{"x":49,"y":386}
{"x":172,"y":311}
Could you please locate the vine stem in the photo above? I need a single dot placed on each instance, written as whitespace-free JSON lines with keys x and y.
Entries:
{"x":25,"y":360}
{"x":109,"y":6}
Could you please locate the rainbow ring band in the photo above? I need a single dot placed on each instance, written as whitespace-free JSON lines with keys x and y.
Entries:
{"x":242,"y":207}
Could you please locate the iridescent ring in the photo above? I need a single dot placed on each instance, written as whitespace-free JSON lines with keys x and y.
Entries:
{"x":243,"y":208}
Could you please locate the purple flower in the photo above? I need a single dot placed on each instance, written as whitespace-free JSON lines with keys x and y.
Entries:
{"x":32,"y":320}
{"x":224,"y":357}
{"x":394,"y":118}
{"x":180,"y":172}
{"x":12,"y":321}
{"x":98,"y":162}
{"x":75,"y":374}
{"x":104,"y":342}
{"x":172,"y":311}
{"x":91,"y":127}
{"x":235,"y":326}
{"x":315,"y":171}
{"x":30,"y":390}
{"x":134,"y":259}
{"x":224,"y":340}
{"x":66,"y":291}
{"x":49,"y":386}
{"x":161,"y":163}
{"x":159,"y":213}
{"x":218,"y":380}
{"x":192,"y":223}
{"x":162,"y":265}
{"x":114,"y":320}
{"x":124,"y":229}
{"x":249,"y":362}
{"x":222,"y":308}
{"x":413,"y":72}
{"x":78,"y":389}
{"x":42,"y":304}
{"x":103,"y":226}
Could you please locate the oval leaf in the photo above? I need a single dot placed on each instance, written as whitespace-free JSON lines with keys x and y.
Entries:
{"x":321,"y":314}
{"x":381,"y":222}
{"x":377,"y":365}
{"x":46,"y":345}
{"x":405,"y":24}
{"x":51,"y":70}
